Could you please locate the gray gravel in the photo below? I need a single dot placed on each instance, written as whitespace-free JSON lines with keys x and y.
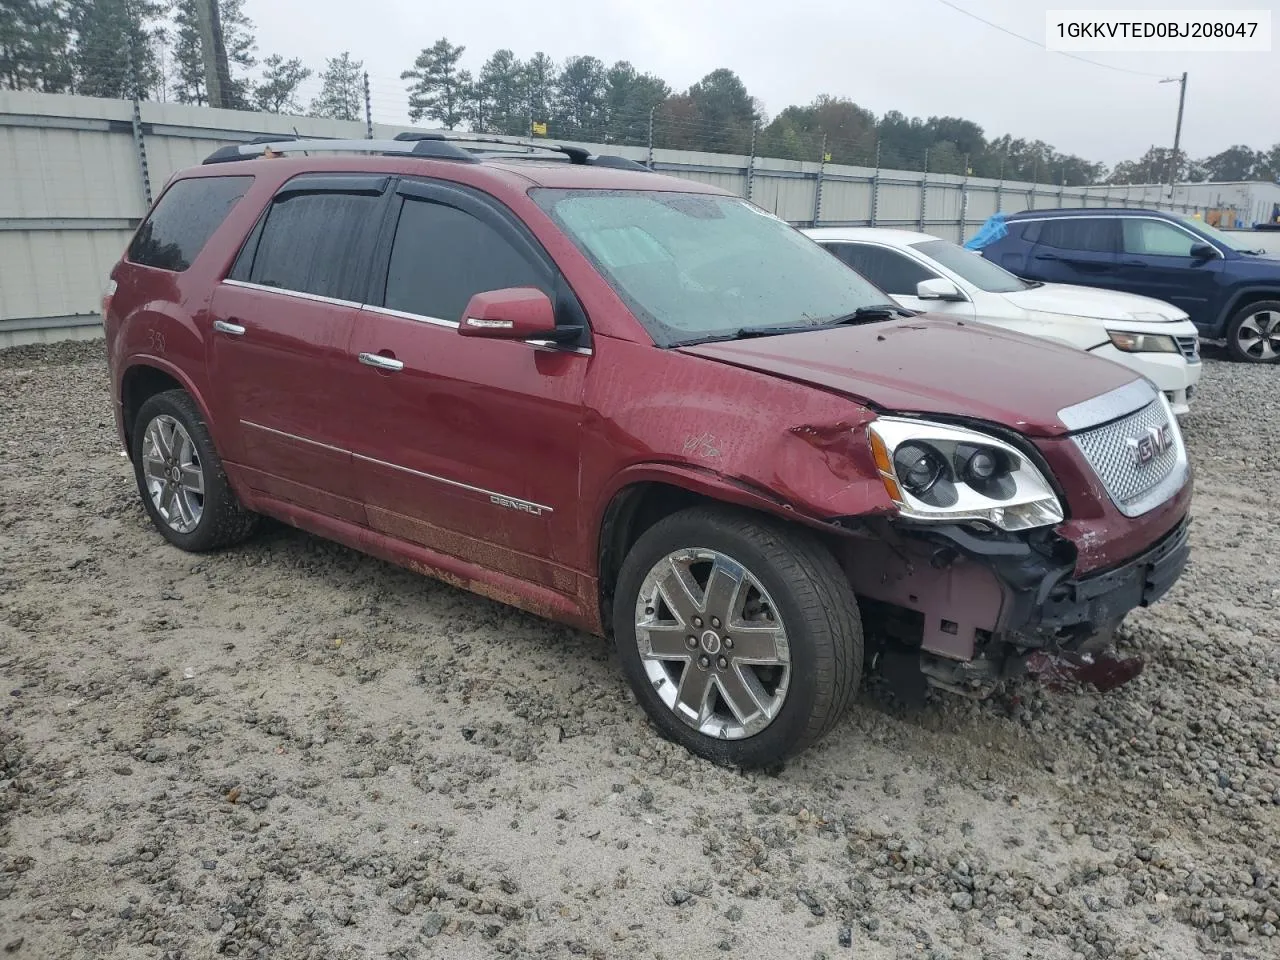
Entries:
{"x":289,"y":750}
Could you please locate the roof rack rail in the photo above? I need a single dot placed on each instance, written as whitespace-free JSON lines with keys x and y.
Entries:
{"x":261,"y":146}
{"x":425,"y":143}
{"x":576,"y":155}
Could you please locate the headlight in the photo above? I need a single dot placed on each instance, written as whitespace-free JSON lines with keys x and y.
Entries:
{"x":1142,"y":342}
{"x":933,"y":471}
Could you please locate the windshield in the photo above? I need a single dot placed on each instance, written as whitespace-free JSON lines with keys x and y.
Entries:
{"x":1223,"y":239}
{"x":979,"y":271}
{"x":697,"y":267}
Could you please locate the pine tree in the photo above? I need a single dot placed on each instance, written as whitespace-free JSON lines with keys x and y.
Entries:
{"x":237,"y":36}
{"x":629,"y":96}
{"x":35,"y":37}
{"x":501,"y":85}
{"x":539,"y":88}
{"x":278,"y":90}
{"x":109,"y":34}
{"x":342,"y":89}
{"x":440,"y":91}
{"x":580,"y":101}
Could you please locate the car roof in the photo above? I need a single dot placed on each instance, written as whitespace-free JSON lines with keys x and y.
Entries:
{"x":1047,"y":214}
{"x":888,"y":235}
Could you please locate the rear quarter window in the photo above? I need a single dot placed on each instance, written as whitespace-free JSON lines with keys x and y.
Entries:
{"x":183,"y":221}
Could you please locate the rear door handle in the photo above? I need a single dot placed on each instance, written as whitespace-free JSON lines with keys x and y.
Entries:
{"x":234,"y":329}
{"x":381,"y":362}
{"x":1134,"y":263}
{"x":1047,"y":256}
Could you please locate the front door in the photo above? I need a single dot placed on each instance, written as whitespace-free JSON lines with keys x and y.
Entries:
{"x":466,"y":445}
{"x":1156,"y":262}
{"x":281,"y":324}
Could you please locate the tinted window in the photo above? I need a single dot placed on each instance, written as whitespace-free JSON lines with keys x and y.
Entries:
{"x":1157,"y":238}
{"x":442,"y":257}
{"x":318,"y":243}
{"x":184,"y":220}
{"x":696,"y":266}
{"x":889,"y":270}
{"x":1079,"y":233}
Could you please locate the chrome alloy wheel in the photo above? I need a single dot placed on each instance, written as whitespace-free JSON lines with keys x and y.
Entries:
{"x":1258,"y":335}
{"x":175,"y":479}
{"x":712,"y":643}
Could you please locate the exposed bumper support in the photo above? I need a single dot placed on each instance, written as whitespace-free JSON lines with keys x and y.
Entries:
{"x":984,"y":604}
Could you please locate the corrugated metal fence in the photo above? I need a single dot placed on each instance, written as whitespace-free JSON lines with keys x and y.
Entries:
{"x":76,"y":174}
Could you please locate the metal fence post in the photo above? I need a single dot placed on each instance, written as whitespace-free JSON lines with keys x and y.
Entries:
{"x":1000,"y":185}
{"x":964,"y":200}
{"x":368,"y":109}
{"x":875,"y":188}
{"x":139,"y":144}
{"x":924,"y":189}
{"x":751,"y":164}
{"x":649,"y":163}
{"x":1062,"y":186}
{"x":817,"y":193}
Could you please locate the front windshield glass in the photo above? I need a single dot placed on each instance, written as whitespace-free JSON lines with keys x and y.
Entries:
{"x":979,"y":271}
{"x":1213,"y":233}
{"x":696,"y":266}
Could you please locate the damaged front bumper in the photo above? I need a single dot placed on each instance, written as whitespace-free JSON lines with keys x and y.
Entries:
{"x":984,"y":608}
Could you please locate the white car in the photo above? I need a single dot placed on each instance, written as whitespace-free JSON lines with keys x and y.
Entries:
{"x":921,"y":272}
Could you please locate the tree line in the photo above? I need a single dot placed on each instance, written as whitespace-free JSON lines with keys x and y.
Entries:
{"x":116,"y":48}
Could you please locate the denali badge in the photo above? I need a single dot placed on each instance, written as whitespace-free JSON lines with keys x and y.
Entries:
{"x":1149,"y":444}
{"x":524,"y":506}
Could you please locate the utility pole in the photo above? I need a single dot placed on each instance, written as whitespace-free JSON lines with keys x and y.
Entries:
{"x":1177,"y":131}
{"x":217,"y":76}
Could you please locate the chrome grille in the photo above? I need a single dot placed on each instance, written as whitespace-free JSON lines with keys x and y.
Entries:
{"x":1112,"y":452}
{"x":1190,"y":348}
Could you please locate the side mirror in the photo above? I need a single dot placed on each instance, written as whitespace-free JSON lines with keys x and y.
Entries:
{"x":938,"y":289}
{"x":1203,"y":251}
{"x":515,"y":313}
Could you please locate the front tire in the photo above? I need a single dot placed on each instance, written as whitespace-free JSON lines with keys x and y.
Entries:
{"x":739,"y":634}
{"x":1253,"y":335}
{"x":180,"y":476}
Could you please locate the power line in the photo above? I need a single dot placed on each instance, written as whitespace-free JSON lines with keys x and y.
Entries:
{"x":1037,"y":43}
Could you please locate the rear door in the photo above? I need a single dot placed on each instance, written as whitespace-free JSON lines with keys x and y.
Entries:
{"x":465,"y":445}
{"x":1156,"y":262}
{"x":1079,"y":250}
{"x":282,"y":322}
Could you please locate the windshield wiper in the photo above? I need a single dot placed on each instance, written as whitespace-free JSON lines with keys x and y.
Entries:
{"x":878,"y":311}
{"x":745,"y":333}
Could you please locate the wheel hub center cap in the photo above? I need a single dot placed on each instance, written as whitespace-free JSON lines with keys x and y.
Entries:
{"x":711,"y":642}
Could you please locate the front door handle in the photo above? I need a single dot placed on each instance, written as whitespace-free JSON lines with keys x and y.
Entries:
{"x":1134,"y":263}
{"x":234,"y":329}
{"x":381,"y":362}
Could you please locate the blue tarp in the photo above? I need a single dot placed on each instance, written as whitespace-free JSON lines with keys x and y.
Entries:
{"x":991,"y":231}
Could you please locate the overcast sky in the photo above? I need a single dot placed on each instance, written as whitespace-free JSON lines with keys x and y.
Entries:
{"x":916,"y":56}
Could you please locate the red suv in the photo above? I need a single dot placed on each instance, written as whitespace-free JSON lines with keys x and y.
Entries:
{"x":637,"y":405}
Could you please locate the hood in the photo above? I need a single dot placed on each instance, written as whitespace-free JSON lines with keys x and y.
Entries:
{"x":1070,"y":300}
{"x":932,"y":365}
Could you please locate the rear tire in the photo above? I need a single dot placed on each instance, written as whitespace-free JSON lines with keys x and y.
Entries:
{"x":1253,"y":335}
{"x":181,"y":479}
{"x":797,"y":659}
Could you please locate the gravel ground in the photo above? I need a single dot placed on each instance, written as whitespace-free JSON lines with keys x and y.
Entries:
{"x":290,"y":750}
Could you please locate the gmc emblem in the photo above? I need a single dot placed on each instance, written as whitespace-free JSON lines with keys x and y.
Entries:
{"x":1149,"y":444}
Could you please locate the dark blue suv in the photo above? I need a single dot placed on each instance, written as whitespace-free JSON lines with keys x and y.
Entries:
{"x":1228,"y":292}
